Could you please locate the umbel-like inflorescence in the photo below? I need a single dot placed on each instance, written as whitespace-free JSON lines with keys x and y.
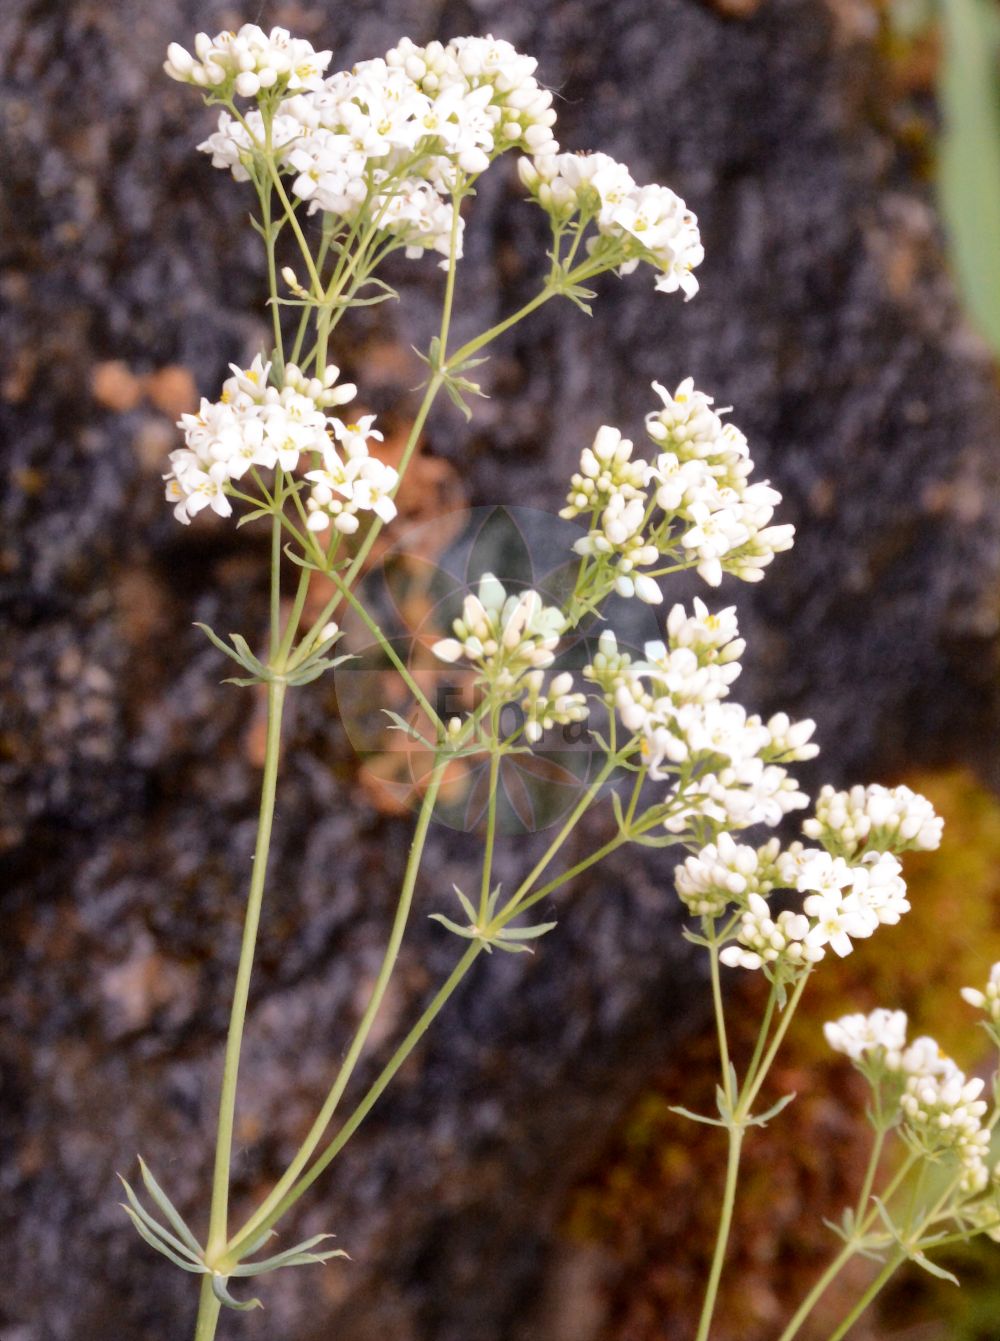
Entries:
{"x":349,"y":169}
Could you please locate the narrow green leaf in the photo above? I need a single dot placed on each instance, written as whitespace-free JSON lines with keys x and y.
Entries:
{"x":246,"y":654}
{"x":160,"y":1246}
{"x":253,"y":516}
{"x":226,"y":1299}
{"x":772,"y":1112}
{"x":467,"y":932}
{"x":467,"y":906}
{"x":168,"y":1208}
{"x":525,"y":933}
{"x":933,"y":1269}
{"x":300,"y":1255}
{"x":696,"y":1117}
{"x":155,"y":1227}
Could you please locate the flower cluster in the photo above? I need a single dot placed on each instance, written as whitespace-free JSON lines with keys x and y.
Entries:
{"x":727,"y":765}
{"x":880,"y":819}
{"x":394,"y":138}
{"x":876,"y":1040}
{"x":940,"y":1107}
{"x":512,"y":641}
{"x":248,"y":62}
{"x":843,"y":903}
{"x":256,"y":425}
{"x":399,"y":138}
{"x":692,"y":503}
{"x":634,"y":223}
{"x":843,"y":899}
{"x":545,"y":706}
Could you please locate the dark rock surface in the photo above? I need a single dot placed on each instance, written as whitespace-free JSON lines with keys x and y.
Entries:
{"x":127,"y":825}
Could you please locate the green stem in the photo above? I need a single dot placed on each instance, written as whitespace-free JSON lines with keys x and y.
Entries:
{"x":890,"y":1268}
{"x":584,"y":864}
{"x":845,"y":1255}
{"x":227,"y":1103}
{"x":491,"y":827}
{"x":765,"y":1029}
{"x":516,"y":901}
{"x":722,"y":1237}
{"x":208,"y":1312}
{"x":720,"y":1023}
{"x":387,"y":647}
{"x":375,"y":1092}
{"x":751,"y":1091}
{"x":735,"y":1129}
{"x":261,"y":1218}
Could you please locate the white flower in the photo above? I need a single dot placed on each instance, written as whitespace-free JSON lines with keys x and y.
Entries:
{"x":721,"y":873}
{"x":944,"y":1111}
{"x":924,"y":1058}
{"x":545,"y":706}
{"x":763,"y":940}
{"x":881,"y":1035}
{"x":247,"y":62}
{"x":506,"y":637}
{"x":880,"y":819}
{"x":988,"y":999}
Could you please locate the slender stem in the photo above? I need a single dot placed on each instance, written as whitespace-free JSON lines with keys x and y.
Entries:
{"x":373,"y":628}
{"x":720,"y":1023}
{"x":375,"y":1091}
{"x":765,"y":1029}
{"x":890,"y":1268}
{"x":845,"y":1255}
{"x":208,"y":1312}
{"x":270,"y":239}
{"x":586,"y":800}
{"x":227,"y":1102}
{"x":491,"y":826}
{"x":261,"y":1217}
{"x":871,"y":1171}
{"x":275,"y":586}
{"x":722,"y":1237}
{"x":295,"y":615}
{"x":735,"y":1128}
{"x":818,"y":1290}
{"x":751,"y":1091}
{"x":584,"y":864}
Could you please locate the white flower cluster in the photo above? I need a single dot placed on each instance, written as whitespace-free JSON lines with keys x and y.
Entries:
{"x":877,"y":1039}
{"x":723,"y":871}
{"x":634,"y":223}
{"x":355,"y":482}
{"x":726,"y":763}
{"x":693,"y":502}
{"x":843,"y":903}
{"x":390,"y":137}
{"x":940,"y":1107}
{"x":394,"y":137}
{"x":987,"y":1000}
{"x":880,"y":819}
{"x":256,"y":425}
{"x":248,"y":62}
{"x":512,"y":640}
{"x":545,"y":706}
{"x":943,"y":1111}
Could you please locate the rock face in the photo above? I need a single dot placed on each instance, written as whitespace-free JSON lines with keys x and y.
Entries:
{"x":129,"y":276}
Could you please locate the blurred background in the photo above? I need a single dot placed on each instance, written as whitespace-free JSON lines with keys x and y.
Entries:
{"x":524,"y":1179}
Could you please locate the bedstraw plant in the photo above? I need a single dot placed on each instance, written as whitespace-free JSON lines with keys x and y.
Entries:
{"x":346,"y":170}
